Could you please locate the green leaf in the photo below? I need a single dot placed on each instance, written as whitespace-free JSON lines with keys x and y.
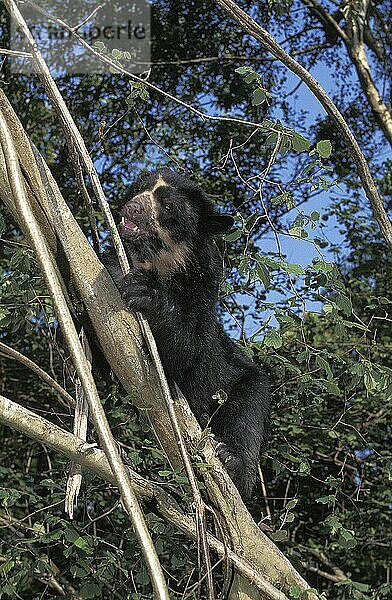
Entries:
{"x":251,"y":220}
{"x":329,"y":307}
{"x":258,"y":96}
{"x":273,"y":339}
{"x":243,"y":70}
{"x":332,"y":388}
{"x":333,"y":434}
{"x":289,"y":518}
{"x":270,"y":262}
{"x":292,"y":268}
{"x":344,"y":303}
{"x":370,"y":382}
{"x":9,"y":496}
{"x":279,"y":200}
{"x":6,"y":567}
{"x":333,"y":524}
{"x":234,"y":236}
{"x":362,"y":587}
{"x":39,"y":528}
{"x":82,"y":543}
{"x":324,"y":365}
{"x":295,"y":591}
{"x":263,"y":274}
{"x":346,"y":539}
{"x":271,"y":139}
{"x":279,"y":536}
{"x":251,"y":77}
{"x":324,"y":148}
{"x":330,"y":500}
{"x":291,"y":504}
{"x":299,"y":143}
{"x":117,"y":54}
{"x":177,"y":561}
{"x":298,"y":232}
{"x":322,"y":265}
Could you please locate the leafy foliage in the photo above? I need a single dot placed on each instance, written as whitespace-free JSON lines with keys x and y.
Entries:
{"x":307,"y":293}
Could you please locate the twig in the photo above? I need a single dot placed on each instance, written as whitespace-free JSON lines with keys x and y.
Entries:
{"x":15,"y":53}
{"x":86,"y":19}
{"x":338,"y":574}
{"x":84,"y":192}
{"x":264,"y":489}
{"x":12,"y":353}
{"x":64,"y":316}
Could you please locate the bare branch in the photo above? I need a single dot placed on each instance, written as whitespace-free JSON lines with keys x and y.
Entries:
{"x":80,"y":427}
{"x":327,"y":20}
{"x":7,"y":52}
{"x":12,"y":353}
{"x":338,"y":574}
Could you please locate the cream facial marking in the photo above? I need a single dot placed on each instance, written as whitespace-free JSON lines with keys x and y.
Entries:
{"x":167,"y":262}
{"x":159,"y":183}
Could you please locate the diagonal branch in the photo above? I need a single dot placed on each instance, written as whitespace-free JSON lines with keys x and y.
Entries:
{"x":357,"y":34}
{"x":37,"y":428}
{"x":52,"y":278}
{"x":24,"y":360}
{"x":268,"y":41}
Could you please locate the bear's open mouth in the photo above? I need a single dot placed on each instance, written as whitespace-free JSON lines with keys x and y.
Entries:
{"x":130,"y":228}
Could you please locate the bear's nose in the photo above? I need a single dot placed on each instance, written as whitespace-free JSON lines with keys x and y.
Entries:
{"x":132,"y":209}
{"x":137,"y":209}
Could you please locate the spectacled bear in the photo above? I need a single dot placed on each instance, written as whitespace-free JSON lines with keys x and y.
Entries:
{"x":167,"y":224}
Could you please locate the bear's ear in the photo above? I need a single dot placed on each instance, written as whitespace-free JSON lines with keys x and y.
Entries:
{"x":216,"y":224}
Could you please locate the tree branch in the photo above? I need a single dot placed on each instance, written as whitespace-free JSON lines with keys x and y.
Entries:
{"x":14,"y":354}
{"x":52,"y":278}
{"x":268,"y":41}
{"x":27,"y":422}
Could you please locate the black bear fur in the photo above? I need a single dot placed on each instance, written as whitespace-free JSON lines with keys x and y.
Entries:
{"x":168,"y":226}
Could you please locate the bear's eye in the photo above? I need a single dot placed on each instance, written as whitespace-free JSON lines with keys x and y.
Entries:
{"x":168,"y":207}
